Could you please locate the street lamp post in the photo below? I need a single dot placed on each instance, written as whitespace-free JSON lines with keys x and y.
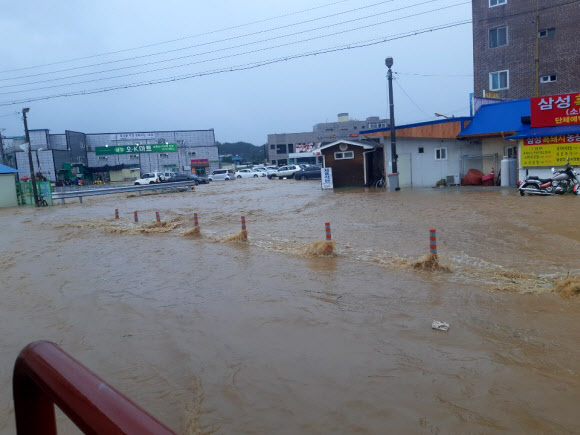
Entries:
{"x":394,"y":176}
{"x":32,"y":176}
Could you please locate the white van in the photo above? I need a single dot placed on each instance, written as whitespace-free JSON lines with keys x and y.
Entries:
{"x":222,"y":174}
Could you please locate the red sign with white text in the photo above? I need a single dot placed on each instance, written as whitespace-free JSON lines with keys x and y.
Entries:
{"x":199,"y":161}
{"x":554,"y":110}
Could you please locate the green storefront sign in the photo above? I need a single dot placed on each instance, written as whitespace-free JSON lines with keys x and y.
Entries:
{"x":132,"y":149}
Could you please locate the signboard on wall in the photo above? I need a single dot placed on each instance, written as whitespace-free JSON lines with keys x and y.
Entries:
{"x":555,"y":110}
{"x":550,"y":150}
{"x":326,"y":177}
{"x":132,"y":136}
{"x":132,"y":149}
{"x":199,"y":163}
{"x":303,"y":147}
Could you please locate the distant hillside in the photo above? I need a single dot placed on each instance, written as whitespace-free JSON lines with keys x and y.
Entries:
{"x":247,"y":151}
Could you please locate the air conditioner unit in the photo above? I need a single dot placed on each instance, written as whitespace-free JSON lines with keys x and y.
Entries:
{"x":452,"y":180}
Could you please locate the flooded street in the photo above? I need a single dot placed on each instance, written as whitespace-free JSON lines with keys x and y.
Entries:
{"x":211,"y":336}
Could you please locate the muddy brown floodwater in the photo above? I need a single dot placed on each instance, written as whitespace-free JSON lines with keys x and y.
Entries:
{"x":262,"y":336}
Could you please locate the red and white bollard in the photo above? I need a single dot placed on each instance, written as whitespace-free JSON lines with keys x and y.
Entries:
{"x":157,"y":216}
{"x":195,"y":223}
{"x":327,"y":229}
{"x":433,"y":242}
{"x":243,"y":223}
{"x":116,"y":213}
{"x":136,"y":216}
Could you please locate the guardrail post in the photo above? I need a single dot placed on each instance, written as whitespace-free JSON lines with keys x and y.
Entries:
{"x":136,"y":216}
{"x":195,"y":223}
{"x":157,"y":217}
{"x":327,"y":229}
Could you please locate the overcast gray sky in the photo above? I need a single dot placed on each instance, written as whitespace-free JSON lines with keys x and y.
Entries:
{"x":433,"y":69}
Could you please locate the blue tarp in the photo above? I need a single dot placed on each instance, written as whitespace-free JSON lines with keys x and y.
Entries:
{"x":7,"y":170}
{"x":498,"y":118}
{"x":528,"y":131}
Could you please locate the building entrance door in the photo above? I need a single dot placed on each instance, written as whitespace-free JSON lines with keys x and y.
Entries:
{"x":404,"y":168}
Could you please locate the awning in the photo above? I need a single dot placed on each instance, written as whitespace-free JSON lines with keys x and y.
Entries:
{"x":497,"y":119}
{"x":529,"y":131}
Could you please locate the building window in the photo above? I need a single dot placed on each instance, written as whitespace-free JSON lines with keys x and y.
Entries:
{"x":493,"y":3}
{"x":133,"y":156}
{"x":103,"y":158}
{"x":421,"y":150}
{"x":290,"y":148}
{"x":548,"y":78}
{"x":281,"y":149}
{"x":499,"y":80}
{"x":441,"y":153}
{"x":274,"y":162}
{"x":164,"y":155}
{"x":192,"y":153}
{"x":544,"y":33}
{"x":272,"y":147}
{"x":498,"y":37}
{"x":378,"y":125}
{"x":344,"y":155}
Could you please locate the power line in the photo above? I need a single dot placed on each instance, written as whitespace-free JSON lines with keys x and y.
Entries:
{"x":177,"y":39}
{"x":221,"y":57}
{"x":239,"y":67}
{"x":220,"y":40}
{"x":410,"y":99}
{"x":432,"y":75}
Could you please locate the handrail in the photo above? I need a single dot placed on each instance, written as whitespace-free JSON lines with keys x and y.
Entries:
{"x":45,"y":375}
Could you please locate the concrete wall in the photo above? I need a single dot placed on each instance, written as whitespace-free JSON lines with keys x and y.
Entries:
{"x":426,"y":170}
{"x":8,"y":191}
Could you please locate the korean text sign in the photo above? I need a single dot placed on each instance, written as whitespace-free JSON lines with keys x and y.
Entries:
{"x":550,"y":111}
{"x":129,"y":149}
{"x":551,"y":150}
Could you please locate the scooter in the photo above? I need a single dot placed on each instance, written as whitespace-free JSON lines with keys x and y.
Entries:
{"x":562,"y":181}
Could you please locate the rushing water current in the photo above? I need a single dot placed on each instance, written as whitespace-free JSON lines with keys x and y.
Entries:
{"x":265,"y":336}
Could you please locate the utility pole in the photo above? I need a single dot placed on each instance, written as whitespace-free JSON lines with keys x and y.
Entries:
{"x":394,"y":176}
{"x":2,"y":155}
{"x":32,"y":176}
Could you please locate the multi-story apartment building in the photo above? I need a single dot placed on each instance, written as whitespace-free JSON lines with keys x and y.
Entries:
{"x":525,"y":48}
{"x":285,"y":148}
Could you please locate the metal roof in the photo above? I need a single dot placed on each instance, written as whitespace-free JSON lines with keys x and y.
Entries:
{"x":419,"y":124}
{"x":358,"y":144}
{"x":7,"y":170}
{"x":498,"y":119}
{"x":528,"y":131}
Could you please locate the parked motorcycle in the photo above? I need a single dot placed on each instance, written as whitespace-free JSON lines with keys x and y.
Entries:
{"x":562,"y":181}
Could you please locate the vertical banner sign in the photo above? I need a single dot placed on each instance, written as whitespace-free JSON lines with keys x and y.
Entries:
{"x":554,"y":110}
{"x":326,"y":177}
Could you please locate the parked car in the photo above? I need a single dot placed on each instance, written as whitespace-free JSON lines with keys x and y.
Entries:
{"x":271,"y":169}
{"x":308,"y":172}
{"x":151,"y":177}
{"x":285,"y":172}
{"x":263,"y":172}
{"x":187,"y":177}
{"x":247,"y":173}
{"x":168,"y":175}
{"x":222,"y":174}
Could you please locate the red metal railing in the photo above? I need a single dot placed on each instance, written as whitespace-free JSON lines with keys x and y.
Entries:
{"x":45,"y":375}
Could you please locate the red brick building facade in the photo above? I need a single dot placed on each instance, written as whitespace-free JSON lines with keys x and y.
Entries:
{"x":521,"y":47}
